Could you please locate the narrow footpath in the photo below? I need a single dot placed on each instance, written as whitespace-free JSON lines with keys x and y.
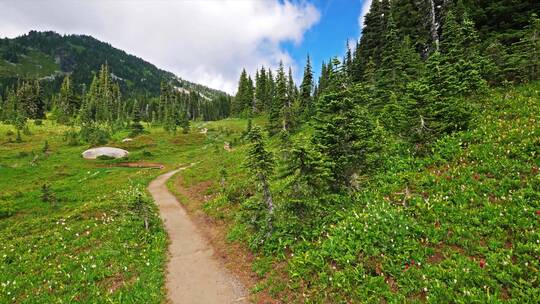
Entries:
{"x":193,"y":275}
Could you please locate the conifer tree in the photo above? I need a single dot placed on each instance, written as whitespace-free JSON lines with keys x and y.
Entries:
{"x":241,"y":100}
{"x":136,"y":126}
{"x":66,"y":104}
{"x":271,"y":91}
{"x":462,"y":66}
{"x":306,"y":169}
{"x":324,"y":78}
{"x":306,"y":90}
{"x":184,"y":122}
{"x":292,"y":90}
{"x":10,"y":108}
{"x":344,"y":130}
{"x":250,"y":94}
{"x":527,"y":51}
{"x":261,"y":90}
{"x":31,"y":100}
{"x":370,"y":45}
{"x":260,"y":163}
{"x":276,"y":119}
{"x":348,"y":60}
{"x":388,"y":71}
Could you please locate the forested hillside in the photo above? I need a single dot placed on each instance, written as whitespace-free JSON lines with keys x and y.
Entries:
{"x":408,"y":171}
{"x":83,"y":82}
{"x":48,"y":56}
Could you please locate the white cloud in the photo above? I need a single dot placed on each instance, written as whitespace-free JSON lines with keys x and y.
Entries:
{"x":205,"y":41}
{"x":366,"y":5}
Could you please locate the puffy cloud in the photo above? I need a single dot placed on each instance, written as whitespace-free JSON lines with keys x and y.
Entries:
{"x":207,"y":42}
{"x":366,"y":5}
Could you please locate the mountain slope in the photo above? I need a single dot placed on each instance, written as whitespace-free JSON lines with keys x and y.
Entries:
{"x":48,"y":55}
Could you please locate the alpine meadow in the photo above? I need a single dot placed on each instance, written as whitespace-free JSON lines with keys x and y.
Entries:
{"x":288,"y":151}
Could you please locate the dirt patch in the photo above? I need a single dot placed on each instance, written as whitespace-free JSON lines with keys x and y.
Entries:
{"x":112,"y":283}
{"x":436,"y":258}
{"x":392,"y":284}
{"x":195,"y":194}
{"x":137,"y":165}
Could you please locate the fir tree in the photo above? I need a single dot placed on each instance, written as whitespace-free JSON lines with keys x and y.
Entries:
{"x":66,"y":104}
{"x":306,"y":90}
{"x":462,"y":67}
{"x":260,"y":163}
{"x":47,"y":196}
{"x":306,"y":169}
{"x":344,"y":130}
{"x":527,"y":51}
{"x":184,"y":123}
{"x":276,"y":119}
{"x":261,"y":90}
{"x":136,"y":126}
{"x":244,"y":95}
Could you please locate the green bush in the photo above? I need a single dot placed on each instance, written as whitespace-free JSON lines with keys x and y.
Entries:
{"x":5,"y":212}
{"x":71,"y":137}
{"x":94,"y":135}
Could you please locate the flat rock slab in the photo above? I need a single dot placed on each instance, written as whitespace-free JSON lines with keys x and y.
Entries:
{"x":194,"y":275}
{"x":104,"y":151}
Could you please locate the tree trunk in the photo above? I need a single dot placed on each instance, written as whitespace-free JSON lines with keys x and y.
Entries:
{"x":434,"y":26}
{"x":267,"y":196}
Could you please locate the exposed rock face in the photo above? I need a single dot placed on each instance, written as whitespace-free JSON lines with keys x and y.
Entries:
{"x":104,"y":151}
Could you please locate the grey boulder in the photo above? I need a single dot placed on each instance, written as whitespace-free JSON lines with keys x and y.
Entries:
{"x":104,"y":151}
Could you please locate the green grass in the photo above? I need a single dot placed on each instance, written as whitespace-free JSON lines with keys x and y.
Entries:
{"x":90,"y":241}
{"x":458,"y":226}
{"x":33,"y":65}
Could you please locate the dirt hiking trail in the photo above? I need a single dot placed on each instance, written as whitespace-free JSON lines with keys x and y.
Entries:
{"x":193,"y":275}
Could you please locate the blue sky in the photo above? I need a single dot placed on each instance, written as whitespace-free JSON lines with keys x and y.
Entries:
{"x":327,"y":38}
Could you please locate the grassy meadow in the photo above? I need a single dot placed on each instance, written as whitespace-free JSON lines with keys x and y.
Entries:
{"x":458,"y":225}
{"x":88,"y":245}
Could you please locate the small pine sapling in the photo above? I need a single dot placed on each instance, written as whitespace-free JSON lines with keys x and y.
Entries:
{"x":47,"y":196}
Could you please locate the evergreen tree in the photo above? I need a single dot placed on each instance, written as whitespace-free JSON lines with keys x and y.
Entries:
{"x":388,"y":73}
{"x":271,"y":91}
{"x":527,"y":51}
{"x":261,"y":90}
{"x":348,"y":60}
{"x":461,"y":67}
{"x":292,"y":90}
{"x":344,"y":130}
{"x":306,"y":169}
{"x":306,"y":90}
{"x":10,"y":108}
{"x":250,"y":94}
{"x":244,"y":96}
{"x":276,"y":119}
{"x":66,"y":104}
{"x":324,"y":78}
{"x":260,"y":163}
{"x":136,"y":126}
{"x":370,"y":45}
{"x":184,"y":123}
